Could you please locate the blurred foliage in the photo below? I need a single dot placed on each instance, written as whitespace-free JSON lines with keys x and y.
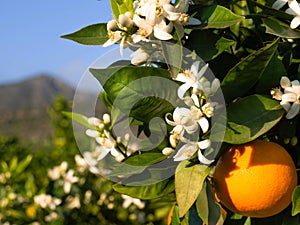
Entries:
{"x":31,"y":195}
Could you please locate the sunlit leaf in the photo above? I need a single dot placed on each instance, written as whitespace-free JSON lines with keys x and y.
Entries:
{"x":188,"y":184}
{"x":81,"y":119}
{"x":95,"y":34}
{"x":217,"y":16}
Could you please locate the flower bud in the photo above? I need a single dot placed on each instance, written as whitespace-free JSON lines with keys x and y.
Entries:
{"x":106,"y":118}
{"x":125,"y":20}
{"x":112,"y":25}
{"x":167,"y":151}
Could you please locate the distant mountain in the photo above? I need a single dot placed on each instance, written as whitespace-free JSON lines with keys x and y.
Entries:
{"x":24,"y":105}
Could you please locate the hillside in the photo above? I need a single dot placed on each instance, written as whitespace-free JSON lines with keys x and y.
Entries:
{"x":24,"y":105}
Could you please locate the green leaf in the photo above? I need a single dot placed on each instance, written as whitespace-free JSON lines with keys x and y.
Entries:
{"x":270,"y":77}
{"x":250,"y":118}
{"x":148,"y":191}
{"x":23,"y":165}
{"x":95,"y":34}
{"x":188,"y":184}
{"x":296,"y":201}
{"x":217,"y":16}
{"x":208,"y":209}
{"x":245,"y":74}
{"x":175,"y":216}
{"x":136,"y":164}
{"x":279,"y":28}
{"x":121,"y":6}
{"x":173,"y":56}
{"x":139,"y":91}
{"x":81,"y":119}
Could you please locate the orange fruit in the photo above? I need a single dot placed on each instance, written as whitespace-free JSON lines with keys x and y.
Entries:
{"x":255,"y":179}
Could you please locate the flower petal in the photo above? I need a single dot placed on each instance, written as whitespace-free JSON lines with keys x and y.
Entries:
{"x":204,"y":144}
{"x":294,"y":5}
{"x":185,"y":152}
{"x":279,"y":4}
{"x":204,"y":124}
{"x":202,"y":71}
{"x":295,"y":22}
{"x":285,"y":105}
{"x":204,"y":160}
{"x":294,"y":110}
{"x":289,"y":97}
{"x":102,"y":151}
{"x":182,"y":90}
{"x":161,"y":35}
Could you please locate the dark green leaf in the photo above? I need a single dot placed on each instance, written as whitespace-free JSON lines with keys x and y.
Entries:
{"x":139,"y":91}
{"x":188,"y":184}
{"x":250,"y":118}
{"x":296,"y":201}
{"x":217,"y":16}
{"x":208,"y":209}
{"x":270,"y":77}
{"x":245,"y":74}
{"x":95,"y":34}
{"x":279,"y":28}
{"x":148,"y":191}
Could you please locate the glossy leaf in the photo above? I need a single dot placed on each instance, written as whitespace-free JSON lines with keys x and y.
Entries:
{"x":148,"y":191}
{"x":95,"y":34}
{"x":208,"y":209}
{"x":217,"y":16}
{"x":245,"y":74}
{"x":139,"y":91}
{"x":137,"y":164}
{"x":188,"y":184}
{"x":279,"y":28}
{"x":270,"y":77}
{"x":250,"y":118}
{"x":296,"y":201}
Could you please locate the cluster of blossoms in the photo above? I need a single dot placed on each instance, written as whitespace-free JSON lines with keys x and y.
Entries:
{"x":290,"y":96}
{"x":118,"y":147}
{"x":65,"y":178}
{"x":188,"y":120}
{"x":294,"y":9}
{"x":150,"y":20}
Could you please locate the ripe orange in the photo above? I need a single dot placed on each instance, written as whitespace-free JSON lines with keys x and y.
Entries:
{"x":256,"y":179}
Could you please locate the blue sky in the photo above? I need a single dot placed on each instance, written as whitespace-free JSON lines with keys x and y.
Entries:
{"x":30,"y":42}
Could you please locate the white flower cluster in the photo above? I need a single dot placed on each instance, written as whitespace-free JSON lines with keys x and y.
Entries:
{"x":151,"y":20}
{"x":106,"y":143}
{"x":294,"y":9}
{"x":188,"y":120}
{"x":290,"y":97}
{"x":65,"y":177}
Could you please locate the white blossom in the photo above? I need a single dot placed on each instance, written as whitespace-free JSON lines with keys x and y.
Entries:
{"x":294,"y":9}
{"x":68,"y":180}
{"x":58,"y":171}
{"x":188,"y":150}
{"x":191,"y":78}
{"x":44,"y":201}
{"x":129,"y":200}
